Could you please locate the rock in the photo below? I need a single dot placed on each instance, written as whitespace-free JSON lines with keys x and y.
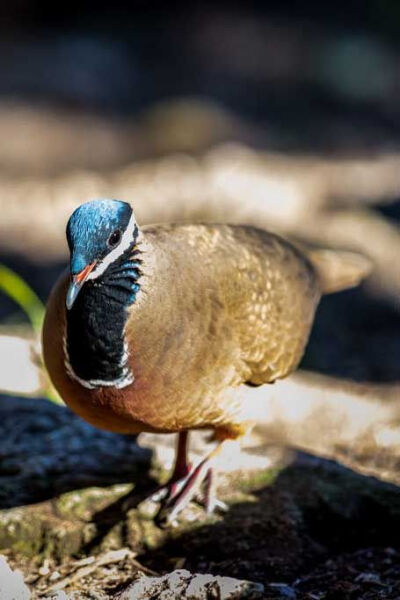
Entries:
{"x":12,"y":586}
{"x":78,"y":595}
{"x":47,"y":450}
{"x":191,"y":586}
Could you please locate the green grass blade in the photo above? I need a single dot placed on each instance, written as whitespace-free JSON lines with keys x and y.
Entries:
{"x":19,"y":291}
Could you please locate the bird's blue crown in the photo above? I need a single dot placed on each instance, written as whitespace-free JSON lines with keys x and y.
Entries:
{"x":90,"y":227}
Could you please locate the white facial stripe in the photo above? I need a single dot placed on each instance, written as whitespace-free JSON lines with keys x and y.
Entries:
{"x":124,"y":244}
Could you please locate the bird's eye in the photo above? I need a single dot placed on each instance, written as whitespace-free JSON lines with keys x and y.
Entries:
{"x":114,"y":238}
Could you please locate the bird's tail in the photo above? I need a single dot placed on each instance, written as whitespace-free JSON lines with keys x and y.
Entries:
{"x":339,"y":269}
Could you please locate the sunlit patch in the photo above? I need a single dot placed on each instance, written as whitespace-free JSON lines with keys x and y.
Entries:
{"x":388,"y":437}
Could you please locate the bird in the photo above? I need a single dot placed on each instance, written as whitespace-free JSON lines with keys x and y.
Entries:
{"x":155,"y":328}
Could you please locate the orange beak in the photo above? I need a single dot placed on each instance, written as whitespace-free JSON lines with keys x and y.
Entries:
{"x":77,"y":282}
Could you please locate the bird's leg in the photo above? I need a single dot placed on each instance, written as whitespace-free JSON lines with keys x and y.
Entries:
{"x":182,"y":466}
{"x":168,"y":490}
{"x":211,"y":502}
{"x":190,"y":487}
{"x":180,"y":472}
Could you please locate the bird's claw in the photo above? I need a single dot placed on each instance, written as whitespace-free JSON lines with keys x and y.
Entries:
{"x":189,"y":488}
{"x":216,"y":505}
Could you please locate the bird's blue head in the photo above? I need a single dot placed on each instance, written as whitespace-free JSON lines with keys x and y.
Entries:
{"x":98,"y":233}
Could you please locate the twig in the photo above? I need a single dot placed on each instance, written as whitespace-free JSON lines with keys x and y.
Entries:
{"x":114,"y":556}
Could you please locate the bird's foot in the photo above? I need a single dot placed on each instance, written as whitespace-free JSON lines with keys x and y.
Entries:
{"x":178,"y":494}
{"x":210,"y":501}
{"x":169,"y":490}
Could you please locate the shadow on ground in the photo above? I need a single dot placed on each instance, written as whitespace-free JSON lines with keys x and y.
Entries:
{"x":317,"y":517}
{"x":305,"y":521}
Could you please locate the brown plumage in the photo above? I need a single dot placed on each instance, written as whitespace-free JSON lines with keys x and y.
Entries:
{"x":219,"y":306}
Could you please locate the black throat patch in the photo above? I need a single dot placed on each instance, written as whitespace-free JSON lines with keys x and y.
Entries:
{"x":95,"y":350}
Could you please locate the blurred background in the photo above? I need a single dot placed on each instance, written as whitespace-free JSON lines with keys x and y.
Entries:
{"x":285,"y":115}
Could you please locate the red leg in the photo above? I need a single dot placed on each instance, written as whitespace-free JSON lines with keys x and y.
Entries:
{"x":189,"y":488}
{"x":180,"y":472}
{"x":181,"y":467}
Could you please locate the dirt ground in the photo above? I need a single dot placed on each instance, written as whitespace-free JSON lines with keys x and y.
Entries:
{"x":322,"y":529}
